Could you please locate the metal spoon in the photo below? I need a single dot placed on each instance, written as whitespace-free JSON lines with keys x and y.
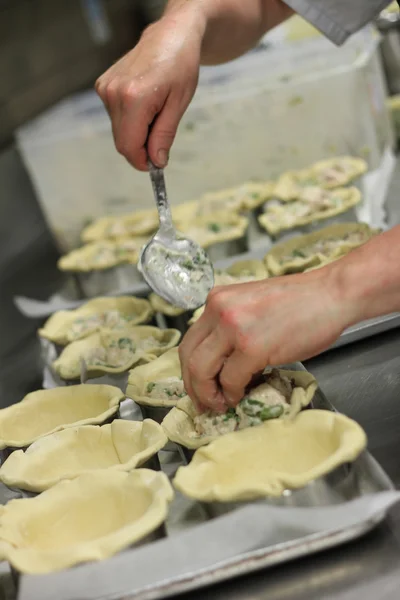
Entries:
{"x":176,"y":268}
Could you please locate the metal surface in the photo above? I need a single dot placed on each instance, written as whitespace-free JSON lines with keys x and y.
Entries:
{"x":99,"y":283}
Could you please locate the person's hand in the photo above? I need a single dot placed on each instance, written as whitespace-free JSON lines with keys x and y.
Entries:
{"x":248,"y":326}
{"x":153,"y":85}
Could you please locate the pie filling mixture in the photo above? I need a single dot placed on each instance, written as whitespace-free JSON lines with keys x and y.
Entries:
{"x":125,"y":227}
{"x":313,"y":201}
{"x":173,"y":270}
{"x":107,"y":254}
{"x":327,"y":246}
{"x":170,"y":388}
{"x":110,"y":319}
{"x":119,"y":352}
{"x":268,"y":400}
{"x":337,"y":173}
{"x":207,"y":233}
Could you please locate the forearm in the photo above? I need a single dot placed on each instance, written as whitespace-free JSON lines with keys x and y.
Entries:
{"x":367,"y":281}
{"x":229,"y":27}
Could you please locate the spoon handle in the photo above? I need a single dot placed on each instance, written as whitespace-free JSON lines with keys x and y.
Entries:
{"x":161,"y":198}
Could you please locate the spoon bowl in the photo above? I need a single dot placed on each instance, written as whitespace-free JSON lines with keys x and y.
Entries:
{"x":176,"y":268}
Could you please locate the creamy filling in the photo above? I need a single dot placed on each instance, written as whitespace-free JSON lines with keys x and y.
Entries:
{"x":326,"y":246}
{"x":110,"y":319}
{"x":314,"y":201}
{"x":269,"y":400}
{"x":206,"y":233}
{"x":119,"y":352}
{"x":180,"y":274}
{"x":170,"y":388}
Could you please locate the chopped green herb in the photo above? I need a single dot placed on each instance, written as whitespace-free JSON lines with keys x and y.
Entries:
{"x":295,"y":100}
{"x":188,"y":264}
{"x":230,"y":414}
{"x":125,"y":343}
{"x":214,"y":227}
{"x":150,"y":387}
{"x":253,"y":402}
{"x":271,"y":412}
{"x":298,"y":254}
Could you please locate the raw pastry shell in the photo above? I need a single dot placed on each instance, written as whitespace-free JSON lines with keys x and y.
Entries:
{"x":80,"y":260}
{"x":358,"y":168}
{"x":57,"y":328}
{"x":167,"y":365}
{"x":255,"y":267}
{"x":139,"y":223}
{"x":120,"y":445}
{"x":89,"y":518}
{"x":247,"y":196}
{"x":160,"y":305}
{"x":265,"y":461}
{"x":236,"y":228}
{"x":297,"y":264}
{"x":179,"y":425}
{"x":46,"y":411}
{"x":196,"y":315}
{"x":290,"y":184}
{"x":69,"y":364}
{"x":351,"y":197}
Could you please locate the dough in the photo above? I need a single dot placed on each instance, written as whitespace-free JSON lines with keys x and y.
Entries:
{"x":215,"y":229}
{"x":266,"y":460}
{"x":147,"y":383}
{"x":315,"y":205}
{"x":180,"y":426}
{"x":112,"y":352}
{"x":121,"y":445}
{"x":88,"y":518}
{"x":313,"y":249}
{"x":47,"y":411}
{"x":66,"y":326}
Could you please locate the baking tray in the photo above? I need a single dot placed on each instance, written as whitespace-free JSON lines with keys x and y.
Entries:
{"x":202,"y":548}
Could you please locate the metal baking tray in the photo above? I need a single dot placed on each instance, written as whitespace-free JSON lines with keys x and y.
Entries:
{"x":346,"y":483}
{"x":98,"y":283}
{"x":243,"y":540}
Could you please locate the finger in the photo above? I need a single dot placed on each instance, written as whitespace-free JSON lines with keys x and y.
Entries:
{"x":139,"y":109}
{"x":204,"y":367}
{"x":196,"y":334}
{"x":236,"y":373}
{"x":164,"y":130}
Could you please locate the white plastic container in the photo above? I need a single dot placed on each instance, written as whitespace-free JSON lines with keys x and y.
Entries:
{"x":276,"y":108}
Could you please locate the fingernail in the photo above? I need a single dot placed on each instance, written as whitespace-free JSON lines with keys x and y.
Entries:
{"x":162,"y":157}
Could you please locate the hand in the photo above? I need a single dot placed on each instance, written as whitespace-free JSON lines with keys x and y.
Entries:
{"x":249,"y":326}
{"x":153,"y":85}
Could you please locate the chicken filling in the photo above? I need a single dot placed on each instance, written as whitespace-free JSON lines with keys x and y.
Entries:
{"x":120,"y":352}
{"x":110,"y":319}
{"x":268,"y":400}
{"x":327,"y":246}
{"x":170,"y":388}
